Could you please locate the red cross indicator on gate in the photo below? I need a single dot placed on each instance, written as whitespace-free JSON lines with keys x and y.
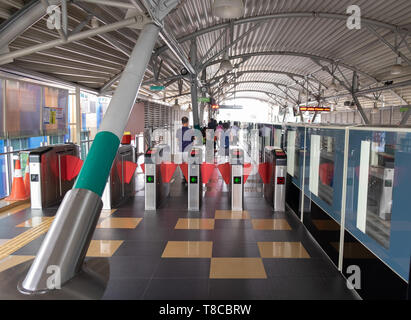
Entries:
{"x":280,"y":180}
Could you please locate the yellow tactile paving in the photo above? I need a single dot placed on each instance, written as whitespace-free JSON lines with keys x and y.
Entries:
{"x":24,"y":238}
{"x":7,"y":213}
{"x":12,"y":261}
{"x":270,"y":224}
{"x":107,"y":213}
{"x":282,"y":250}
{"x":103,"y":248}
{"x":237,"y":268}
{"x":326,"y":225}
{"x":232,"y":215}
{"x":195,"y":224}
{"x":188,"y":249}
{"x":119,"y":223}
{"x":34,"y":222}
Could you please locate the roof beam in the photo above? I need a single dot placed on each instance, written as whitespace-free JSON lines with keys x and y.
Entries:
{"x":290,"y":15}
{"x":296,"y":54}
{"x":21,"y":21}
{"x":394,"y":49}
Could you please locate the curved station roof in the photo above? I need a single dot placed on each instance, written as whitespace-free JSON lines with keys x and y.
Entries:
{"x":283,"y":52}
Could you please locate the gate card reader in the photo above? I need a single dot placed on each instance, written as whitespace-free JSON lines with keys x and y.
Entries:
{"x":195,"y":186}
{"x":156,"y":191}
{"x":274,"y":191}
{"x":237,"y":181}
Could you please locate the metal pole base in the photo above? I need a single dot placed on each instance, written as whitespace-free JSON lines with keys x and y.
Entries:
{"x":89,"y":284}
{"x":64,"y":248}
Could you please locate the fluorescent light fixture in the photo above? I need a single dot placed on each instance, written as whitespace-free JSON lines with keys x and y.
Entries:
{"x":228,"y":9}
{"x":397,"y":68}
{"x":226,"y":65}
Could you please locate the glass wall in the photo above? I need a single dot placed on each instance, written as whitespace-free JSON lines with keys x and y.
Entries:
{"x":377,"y":212}
{"x":377,"y":215}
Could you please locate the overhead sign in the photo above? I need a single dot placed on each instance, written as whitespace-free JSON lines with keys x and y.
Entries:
{"x":157,"y":88}
{"x":204,"y":99}
{"x":316,"y":109}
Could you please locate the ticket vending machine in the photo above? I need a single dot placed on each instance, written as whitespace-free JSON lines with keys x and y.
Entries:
{"x":195,"y":186}
{"x":155,"y":190}
{"x":274,"y":191}
{"x":237,"y":179}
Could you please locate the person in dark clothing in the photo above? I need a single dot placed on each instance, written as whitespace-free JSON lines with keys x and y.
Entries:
{"x":183,"y":143}
{"x":226,"y":127}
{"x":212,"y":124}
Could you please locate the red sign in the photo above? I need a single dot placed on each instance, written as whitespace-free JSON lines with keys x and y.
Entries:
{"x":317,"y":109}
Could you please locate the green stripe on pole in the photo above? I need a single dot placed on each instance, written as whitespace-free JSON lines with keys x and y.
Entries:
{"x":96,"y":168}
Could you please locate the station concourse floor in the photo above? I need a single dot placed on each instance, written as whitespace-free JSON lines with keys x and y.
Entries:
{"x":173,"y":254}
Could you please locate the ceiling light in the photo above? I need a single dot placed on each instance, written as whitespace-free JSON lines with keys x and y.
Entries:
{"x":226,"y":65}
{"x":176,"y":106}
{"x":94,"y":23}
{"x":333,"y":86}
{"x":397,"y":68}
{"x":228,"y":9}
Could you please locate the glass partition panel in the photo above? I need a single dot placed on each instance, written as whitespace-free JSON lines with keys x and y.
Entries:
{"x":326,"y":169}
{"x":377,"y":204}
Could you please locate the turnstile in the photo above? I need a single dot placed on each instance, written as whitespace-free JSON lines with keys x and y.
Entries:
{"x":155,"y":190}
{"x":195,"y":186}
{"x":47,"y":183}
{"x":274,"y":191}
{"x":237,"y":179}
{"x":117,"y":189}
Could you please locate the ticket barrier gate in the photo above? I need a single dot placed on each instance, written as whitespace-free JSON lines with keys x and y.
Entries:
{"x":117,"y":188}
{"x":155,"y":190}
{"x":237,"y":179}
{"x":195,"y":185}
{"x":48,"y":181}
{"x":275,"y":189}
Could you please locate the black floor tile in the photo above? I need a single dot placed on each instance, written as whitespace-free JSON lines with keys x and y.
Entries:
{"x":299,"y":268}
{"x":239,"y":289}
{"x":232,"y":224}
{"x":125,"y":289}
{"x":31,"y":248}
{"x":133,"y":267}
{"x":177,"y":289}
{"x":234,"y":235}
{"x":299,"y":288}
{"x":131,"y":248}
{"x":235,"y":249}
{"x":192,"y":235}
{"x":276,"y":235}
{"x":170,"y":268}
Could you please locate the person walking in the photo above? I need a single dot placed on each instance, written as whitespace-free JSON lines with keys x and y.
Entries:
{"x":185,"y":139}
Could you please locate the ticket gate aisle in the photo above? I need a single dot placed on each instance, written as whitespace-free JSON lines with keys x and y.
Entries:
{"x":155,"y":190}
{"x":48,"y":183}
{"x":274,"y":191}
{"x":117,"y":189}
{"x":237,"y":174}
{"x":195,"y":185}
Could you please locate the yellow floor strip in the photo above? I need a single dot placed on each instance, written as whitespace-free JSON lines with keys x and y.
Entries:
{"x":23,"y":239}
